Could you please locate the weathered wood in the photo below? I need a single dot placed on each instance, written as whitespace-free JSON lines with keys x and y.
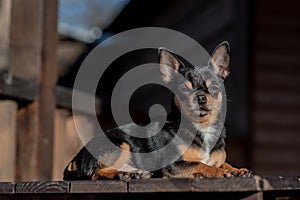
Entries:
{"x":79,"y":124}
{"x":5,"y":16}
{"x":26,"y":39}
{"x":160,"y":185}
{"x":27,"y":144}
{"x":42,"y":187}
{"x":35,"y":155}
{"x":28,"y":90}
{"x":64,"y":99}
{"x":60,"y":143}
{"x":281,"y":183}
{"x":105,"y":186}
{"x":7,"y":188}
{"x":8,"y":122}
{"x":17,"y":88}
{"x":46,"y":97}
{"x":226,"y":184}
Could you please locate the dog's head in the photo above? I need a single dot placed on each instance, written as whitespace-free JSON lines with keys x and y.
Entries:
{"x":199,"y":94}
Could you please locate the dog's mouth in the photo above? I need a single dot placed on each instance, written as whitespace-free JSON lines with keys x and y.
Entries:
{"x":204,"y":110}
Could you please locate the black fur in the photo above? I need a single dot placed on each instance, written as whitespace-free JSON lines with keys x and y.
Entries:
{"x":86,"y":164}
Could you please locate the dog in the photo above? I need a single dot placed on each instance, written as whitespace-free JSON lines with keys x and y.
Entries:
{"x":197,"y":93}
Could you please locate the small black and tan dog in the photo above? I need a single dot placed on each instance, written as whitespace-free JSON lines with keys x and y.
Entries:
{"x":196,"y":94}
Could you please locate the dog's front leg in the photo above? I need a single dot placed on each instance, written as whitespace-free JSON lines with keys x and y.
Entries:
{"x":194,"y":169}
{"x":237,"y":171}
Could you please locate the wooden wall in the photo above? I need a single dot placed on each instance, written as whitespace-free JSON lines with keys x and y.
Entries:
{"x":276,"y":88}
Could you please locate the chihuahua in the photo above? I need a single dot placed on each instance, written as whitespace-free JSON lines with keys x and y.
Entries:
{"x":198,"y":92}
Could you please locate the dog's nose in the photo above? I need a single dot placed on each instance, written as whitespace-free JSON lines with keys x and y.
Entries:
{"x":202,"y":99}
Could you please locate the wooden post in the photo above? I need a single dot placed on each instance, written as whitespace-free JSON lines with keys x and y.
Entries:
{"x":26,"y":39}
{"x":8,"y":118}
{"x":35,"y":133}
{"x":5,"y":16}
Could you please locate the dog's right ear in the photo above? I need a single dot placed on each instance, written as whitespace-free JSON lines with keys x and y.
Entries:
{"x":169,"y":64}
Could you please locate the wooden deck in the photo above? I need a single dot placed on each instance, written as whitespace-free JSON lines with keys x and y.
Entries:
{"x":230,"y":188}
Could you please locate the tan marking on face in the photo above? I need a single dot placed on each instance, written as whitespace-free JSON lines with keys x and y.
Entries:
{"x":188,"y":84}
{"x":191,"y":154}
{"x":72,"y":166}
{"x":208,"y":83}
{"x":212,"y":104}
{"x":218,"y":157}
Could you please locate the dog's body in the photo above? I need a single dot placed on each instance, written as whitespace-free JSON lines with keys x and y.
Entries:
{"x":198,"y":93}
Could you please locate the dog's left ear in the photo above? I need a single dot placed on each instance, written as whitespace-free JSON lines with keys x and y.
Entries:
{"x":220,"y":59}
{"x":169,"y":64}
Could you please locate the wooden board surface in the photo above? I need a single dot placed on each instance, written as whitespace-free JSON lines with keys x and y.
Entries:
{"x":160,"y":185}
{"x":220,"y":185}
{"x":42,"y":187}
{"x":98,"y":187}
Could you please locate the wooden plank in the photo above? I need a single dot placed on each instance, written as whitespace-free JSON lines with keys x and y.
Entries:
{"x":17,"y":88}
{"x":105,"y":186}
{"x":8,"y":122}
{"x":7,"y":188}
{"x":67,"y":142}
{"x":160,"y":185}
{"x":46,"y":96}
{"x":26,"y":46}
{"x":84,"y":127}
{"x":42,"y":187}
{"x":27,"y":144}
{"x":35,"y":157}
{"x":13,"y":87}
{"x":5,"y":16}
{"x":237,"y":184}
{"x":282,"y":183}
{"x":64,"y":99}
{"x":60,"y":143}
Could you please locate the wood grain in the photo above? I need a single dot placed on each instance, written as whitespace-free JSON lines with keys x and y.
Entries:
{"x":160,"y":185}
{"x":46,"y":96}
{"x":8,"y":123}
{"x":282,"y":183}
{"x":225,"y":184}
{"x":5,"y":17}
{"x":26,"y":39}
{"x":42,"y":187}
{"x":60,"y":143}
{"x":105,"y":186}
{"x":7,"y":188}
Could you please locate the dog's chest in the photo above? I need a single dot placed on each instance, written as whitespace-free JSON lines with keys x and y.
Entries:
{"x":195,"y":153}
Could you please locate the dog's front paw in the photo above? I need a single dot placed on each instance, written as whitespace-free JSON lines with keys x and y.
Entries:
{"x":243,"y":172}
{"x":139,"y":174}
{"x":214,"y":173}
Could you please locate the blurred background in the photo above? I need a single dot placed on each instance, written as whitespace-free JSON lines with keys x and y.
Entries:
{"x":43,"y":43}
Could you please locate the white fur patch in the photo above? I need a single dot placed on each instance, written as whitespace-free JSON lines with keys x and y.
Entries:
{"x":210,"y":137}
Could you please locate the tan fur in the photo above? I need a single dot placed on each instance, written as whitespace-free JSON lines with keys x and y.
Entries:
{"x":212,"y":104}
{"x":191,"y":154}
{"x":188,"y":84}
{"x":72,"y":166}
{"x":112,"y":171}
{"x":218,"y":157}
{"x":208,"y":83}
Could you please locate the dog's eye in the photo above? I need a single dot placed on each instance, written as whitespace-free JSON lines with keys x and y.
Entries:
{"x":214,"y":89}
